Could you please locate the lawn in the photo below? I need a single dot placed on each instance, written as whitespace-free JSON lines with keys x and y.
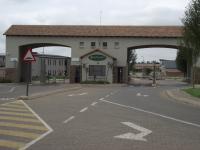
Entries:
{"x":194,"y":92}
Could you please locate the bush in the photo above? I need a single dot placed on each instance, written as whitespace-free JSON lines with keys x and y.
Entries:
{"x":5,"y":80}
{"x":95,"y":82}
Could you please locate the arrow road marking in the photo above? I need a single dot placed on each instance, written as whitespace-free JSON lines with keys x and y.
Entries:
{"x":132,"y":136}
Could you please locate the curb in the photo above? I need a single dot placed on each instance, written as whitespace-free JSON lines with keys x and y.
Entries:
{"x":39,"y":95}
{"x":182,"y":99}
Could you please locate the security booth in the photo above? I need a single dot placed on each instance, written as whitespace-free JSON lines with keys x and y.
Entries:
{"x":97,"y":66}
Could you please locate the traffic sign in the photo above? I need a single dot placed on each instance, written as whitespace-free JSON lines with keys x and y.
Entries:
{"x":28,"y":57}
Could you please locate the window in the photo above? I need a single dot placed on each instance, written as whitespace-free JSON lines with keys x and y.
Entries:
{"x":81,"y":44}
{"x":105,"y":44}
{"x":116,"y":45}
{"x":97,"y":70}
{"x":93,"y":44}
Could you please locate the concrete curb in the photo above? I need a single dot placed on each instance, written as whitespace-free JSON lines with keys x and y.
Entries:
{"x":185,"y":98}
{"x":39,"y":95}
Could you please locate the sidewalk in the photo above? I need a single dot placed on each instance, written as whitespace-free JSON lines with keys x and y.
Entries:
{"x":182,"y":96}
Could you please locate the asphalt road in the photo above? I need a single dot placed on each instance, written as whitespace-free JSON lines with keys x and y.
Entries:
{"x":11,"y":91}
{"x":118,"y":118}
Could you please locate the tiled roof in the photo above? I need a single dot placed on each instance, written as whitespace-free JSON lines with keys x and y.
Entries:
{"x":94,"y":31}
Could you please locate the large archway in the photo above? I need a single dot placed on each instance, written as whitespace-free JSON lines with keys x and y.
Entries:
{"x":144,"y":69}
{"x":22,"y":66}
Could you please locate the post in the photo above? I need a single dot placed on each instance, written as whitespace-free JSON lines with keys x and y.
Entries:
{"x":154,"y":73}
{"x":28,"y":78}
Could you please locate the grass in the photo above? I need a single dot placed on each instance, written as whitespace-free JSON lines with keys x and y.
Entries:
{"x":194,"y":92}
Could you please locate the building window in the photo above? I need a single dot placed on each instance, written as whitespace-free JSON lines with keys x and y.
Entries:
{"x":93,"y":44}
{"x":81,"y":44}
{"x":97,"y":70}
{"x":105,"y":45}
{"x":116,"y":44}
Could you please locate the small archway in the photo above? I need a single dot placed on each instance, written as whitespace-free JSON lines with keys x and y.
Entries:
{"x":22,"y":66}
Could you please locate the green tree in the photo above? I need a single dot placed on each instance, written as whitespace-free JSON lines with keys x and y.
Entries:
{"x":131,"y":58}
{"x":191,"y":34}
{"x":181,"y":60}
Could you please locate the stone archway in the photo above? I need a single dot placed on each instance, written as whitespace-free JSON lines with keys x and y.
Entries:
{"x":22,"y":66}
{"x":149,"y":46}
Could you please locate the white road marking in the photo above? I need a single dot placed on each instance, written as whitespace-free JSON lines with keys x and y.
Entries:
{"x":71,"y":95}
{"x":101,"y":99}
{"x":83,"y":93}
{"x":107,"y":95}
{"x":94,"y":103}
{"x":12,"y":89}
{"x":111,"y":93}
{"x":43,"y":135}
{"x":153,"y":113}
{"x":84,"y":109}
{"x":138,"y":94}
{"x":6,"y":99}
{"x":69,"y":119}
{"x":131,"y":136}
{"x":145,"y":95}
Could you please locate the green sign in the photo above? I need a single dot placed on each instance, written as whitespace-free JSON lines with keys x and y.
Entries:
{"x":97,"y":57}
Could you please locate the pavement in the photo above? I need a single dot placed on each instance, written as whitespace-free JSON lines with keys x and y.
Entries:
{"x":181,"y":96}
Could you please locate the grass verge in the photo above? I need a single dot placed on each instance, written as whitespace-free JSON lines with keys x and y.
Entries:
{"x":194,"y":92}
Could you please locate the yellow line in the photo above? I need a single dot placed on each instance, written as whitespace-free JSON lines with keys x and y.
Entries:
{"x":14,"y":106}
{"x":23,"y":126}
{"x":11,"y":144}
{"x":14,"y":109}
{"x":18,"y":119}
{"x":19,"y":134}
{"x":17,"y":114}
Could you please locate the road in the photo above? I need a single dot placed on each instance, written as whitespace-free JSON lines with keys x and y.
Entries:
{"x":111,"y":117}
{"x":11,"y":91}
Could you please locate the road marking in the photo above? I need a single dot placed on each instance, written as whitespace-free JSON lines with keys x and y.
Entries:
{"x":101,"y":99}
{"x":71,"y":95}
{"x":131,"y":136}
{"x":84,"y":109}
{"x":19,"y":134}
{"x":23,"y":126}
{"x":16,"y":114}
{"x":83,"y":94}
{"x":153,"y":113}
{"x":111,"y":93}
{"x":6,"y":99}
{"x":19,"y":119}
{"x":107,"y":95}
{"x":12,"y":90}
{"x":69,"y":119}
{"x":145,"y":95}
{"x":43,"y":135}
{"x":11,"y":144}
{"x":14,"y":109}
{"x":138,"y":94}
{"x":94,"y":103}
{"x":15,"y":106}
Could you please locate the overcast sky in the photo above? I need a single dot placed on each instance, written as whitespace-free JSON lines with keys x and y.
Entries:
{"x":87,"y":12}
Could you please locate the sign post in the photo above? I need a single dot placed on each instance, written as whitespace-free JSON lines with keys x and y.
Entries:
{"x":28,"y":58}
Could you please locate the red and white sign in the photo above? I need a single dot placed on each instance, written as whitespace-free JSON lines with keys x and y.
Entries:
{"x":28,"y":57}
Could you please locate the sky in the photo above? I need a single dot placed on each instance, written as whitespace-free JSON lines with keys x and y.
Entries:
{"x":87,"y":12}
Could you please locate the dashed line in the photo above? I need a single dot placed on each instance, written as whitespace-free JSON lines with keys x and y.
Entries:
{"x":71,"y":95}
{"x":69,"y":119}
{"x":94,"y":103}
{"x":107,"y":95}
{"x":84,"y":109}
{"x":101,"y":99}
{"x":83,"y":94}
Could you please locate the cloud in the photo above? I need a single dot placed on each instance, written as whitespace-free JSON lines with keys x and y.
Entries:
{"x":118,"y":12}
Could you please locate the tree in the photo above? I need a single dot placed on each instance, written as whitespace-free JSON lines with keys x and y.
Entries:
{"x":181,"y":61}
{"x":191,"y":34}
{"x":131,"y":58}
